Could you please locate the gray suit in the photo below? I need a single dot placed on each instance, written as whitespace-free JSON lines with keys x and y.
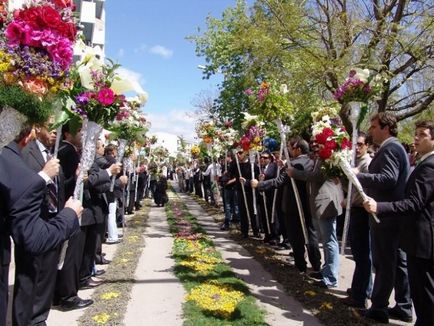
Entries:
{"x":388,"y":173}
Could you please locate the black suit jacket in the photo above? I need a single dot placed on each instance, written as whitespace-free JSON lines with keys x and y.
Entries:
{"x":22,"y":192}
{"x":94,"y":201}
{"x":388,"y":173}
{"x":416,"y":211}
{"x":32,"y":156}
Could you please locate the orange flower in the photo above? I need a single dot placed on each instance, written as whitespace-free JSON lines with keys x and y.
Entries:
{"x":35,"y":86}
{"x":207,"y":139}
{"x":264,"y":84}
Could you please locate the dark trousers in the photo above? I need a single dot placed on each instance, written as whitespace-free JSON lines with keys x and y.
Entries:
{"x":35,"y":280}
{"x":244,"y":219}
{"x":421,"y":275}
{"x":297,"y":241}
{"x":89,"y":251}
{"x":390,"y":265}
{"x":100,"y":239}
{"x":68,"y":278}
{"x":4,"y":274}
{"x":360,"y":242}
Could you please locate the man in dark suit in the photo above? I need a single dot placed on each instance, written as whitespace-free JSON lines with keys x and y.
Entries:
{"x":385,"y":181}
{"x":35,"y":275}
{"x":68,"y":280}
{"x":299,"y":149}
{"x":22,"y":192}
{"x":95,"y":213}
{"x":268,"y":171}
{"x":416,"y":216}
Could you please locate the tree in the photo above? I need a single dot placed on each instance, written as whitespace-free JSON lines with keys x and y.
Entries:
{"x":312,"y":45}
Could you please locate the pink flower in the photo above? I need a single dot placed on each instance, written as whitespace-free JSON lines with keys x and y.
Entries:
{"x":106,"y":96}
{"x":16,"y":31}
{"x":62,"y":52}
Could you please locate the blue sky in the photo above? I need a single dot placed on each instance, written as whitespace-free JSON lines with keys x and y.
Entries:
{"x":148,"y":38}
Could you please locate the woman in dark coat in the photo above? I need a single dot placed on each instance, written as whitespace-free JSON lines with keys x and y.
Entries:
{"x":160,"y":196}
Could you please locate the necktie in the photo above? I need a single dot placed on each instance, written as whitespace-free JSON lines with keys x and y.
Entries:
{"x":52,"y":191}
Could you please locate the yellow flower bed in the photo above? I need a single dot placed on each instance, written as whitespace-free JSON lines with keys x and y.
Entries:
{"x":216,"y":298}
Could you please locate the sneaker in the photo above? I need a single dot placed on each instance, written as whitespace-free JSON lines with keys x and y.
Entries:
{"x":315,"y":275}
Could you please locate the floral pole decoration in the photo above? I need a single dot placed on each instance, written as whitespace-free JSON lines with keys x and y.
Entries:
{"x":359,"y":87}
{"x":98,"y":104}
{"x":212,"y":136}
{"x":335,"y":148}
{"x":129,"y":126}
{"x":272,"y":101}
{"x":36,"y":53}
{"x":251,"y":141}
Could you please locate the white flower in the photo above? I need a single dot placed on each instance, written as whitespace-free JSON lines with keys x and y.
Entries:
{"x":283,"y":88}
{"x":362,"y":74}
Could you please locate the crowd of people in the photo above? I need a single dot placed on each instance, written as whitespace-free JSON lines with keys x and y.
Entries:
{"x":399,"y":183}
{"x":292,"y":204}
{"x":38,"y":211}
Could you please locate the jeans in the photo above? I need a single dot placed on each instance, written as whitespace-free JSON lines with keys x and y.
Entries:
{"x":360,"y":241}
{"x":231,"y":206}
{"x":327,"y":230}
{"x":112,"y":228}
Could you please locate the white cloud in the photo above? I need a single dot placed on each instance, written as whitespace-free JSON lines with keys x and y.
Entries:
{"x":169,"y":125}
{"x":131,"y":75}
{"x":161,"y":51}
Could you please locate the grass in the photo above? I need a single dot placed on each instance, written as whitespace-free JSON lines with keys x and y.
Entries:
{"x":246,"y":312}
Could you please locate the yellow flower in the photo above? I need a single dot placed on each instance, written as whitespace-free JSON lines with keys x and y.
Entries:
{"x":216,"y":298}
{"x":326,"y":306}
{"x":102,"y":318}
{"x":310,"y":293}
{"x":109,"y":295}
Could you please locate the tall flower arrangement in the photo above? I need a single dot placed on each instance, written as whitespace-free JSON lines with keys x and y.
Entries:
{"x":251,"y":140}
{"x":270,"y":99}
{"x":36,"y":46}
{"x":333,"y":140}
{"x":36,"y":52}
{"x":360,"y":85}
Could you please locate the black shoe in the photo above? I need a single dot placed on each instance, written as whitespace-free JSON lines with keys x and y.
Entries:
{"x":315,"y":275}
{"x":75,"y":303}
{"x":350,"y":302}
{"x":320,"y":284}
{"x":396,"y":313}
{"x":90,"y":284}
{"x":378,"y":315}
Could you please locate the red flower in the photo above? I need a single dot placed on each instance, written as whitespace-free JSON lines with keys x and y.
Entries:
{"x":67,"y":30}
{"x":328,"y":131}
{"x":64,"y":3}
{"x":106,"y":96}
{"x":50,"y":17}
{"x":325,"y":153}
{"x":346,"y":143}
{"x":31,"y":16}
{"x":321,"y":138}
{"x":331,"y":144}
{"x":245,"y":143}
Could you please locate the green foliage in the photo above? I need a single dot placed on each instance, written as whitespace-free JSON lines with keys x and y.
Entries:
{"x":31,"y":106}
